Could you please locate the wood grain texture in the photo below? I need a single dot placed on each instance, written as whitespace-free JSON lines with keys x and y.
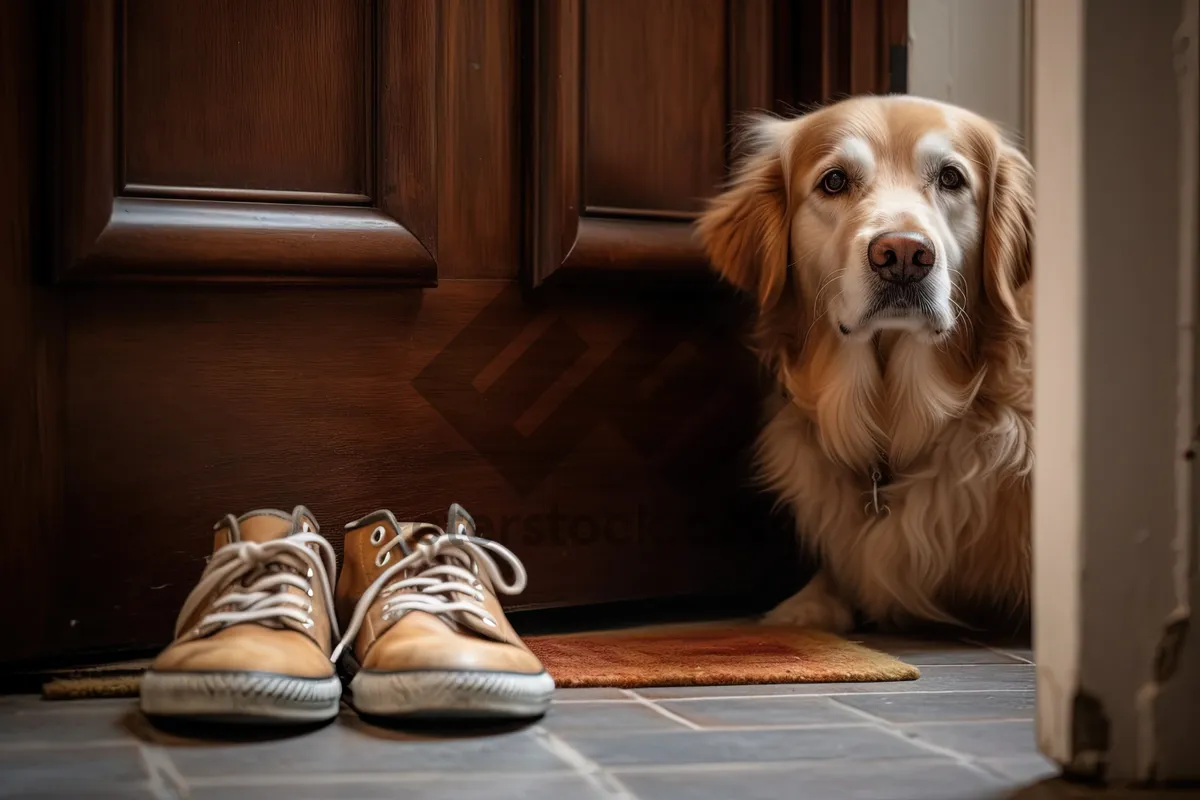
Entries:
{"x":599,"y":436}
{"x":654,"y":102}
{"x":875,"y":27}
{"x":829,"y":49}
{"x":837,"y":34}
{"x":895,"y":43}
{"x":554,"y":179}
{"x":751,"y":71}
{"x":154,"y":240}
{"x":480,"y":166}
{"x":839,"y":47}
{"x":659,"y":246}
{"x":868,"y":60}
{"x":267,"y":94}
{"x":30,"y":360}
{"x":104,"y":235}
{"x":408,"y":39}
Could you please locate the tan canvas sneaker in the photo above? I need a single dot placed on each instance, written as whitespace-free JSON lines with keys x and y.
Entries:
{"x":254,"y":638}
{"x":425,"y":634}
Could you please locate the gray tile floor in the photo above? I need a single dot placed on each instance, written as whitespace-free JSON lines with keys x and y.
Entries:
{"x":963,"y":731}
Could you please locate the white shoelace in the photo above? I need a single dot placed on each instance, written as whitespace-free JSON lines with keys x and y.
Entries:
{"x":277,"y":565}
{"x":445,"y":563}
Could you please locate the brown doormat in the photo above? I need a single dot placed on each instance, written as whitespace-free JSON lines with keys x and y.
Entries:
{"x":92,"y":688}
{"x":712,"y":655}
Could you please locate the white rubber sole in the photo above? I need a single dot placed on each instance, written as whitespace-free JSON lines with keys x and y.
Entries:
{"x":251,"y":697}
{"x":450,"y":694}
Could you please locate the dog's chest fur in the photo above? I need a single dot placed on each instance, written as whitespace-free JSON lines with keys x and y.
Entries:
{"x":921,"y":540}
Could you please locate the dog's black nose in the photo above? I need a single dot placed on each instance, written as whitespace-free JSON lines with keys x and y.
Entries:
{"x":901,"y":256}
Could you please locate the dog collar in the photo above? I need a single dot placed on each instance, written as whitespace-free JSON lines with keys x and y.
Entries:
{"x":881,"y":477}
{"x":880,"y":474}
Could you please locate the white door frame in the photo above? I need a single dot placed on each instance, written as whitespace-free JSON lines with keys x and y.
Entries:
{"x":1115,"y":140}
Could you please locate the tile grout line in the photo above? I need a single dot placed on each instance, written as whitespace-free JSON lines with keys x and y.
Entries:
{"x":962,"y":666}
{"x":997,"y":651}
{"x":903,"y":693}
{"x":44,"y":744}
{"x":588,"y":702}
{"x":596,"y":776}
{"x":366,"y":779}
{"x":166,"y":782}
{"x":823,"y":726}
{"x":1002,"y":665}
{"x":1011,"y":660}
{"x":369,"y":779}
{"x":757,"y":766}
{"x":994,"y":771}
{"x":892,"y":729}
{"x":666,"y":712}
{"x":972,"y":720}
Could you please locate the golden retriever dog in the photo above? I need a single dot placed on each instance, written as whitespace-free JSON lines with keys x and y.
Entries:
{"x":887,"y":244}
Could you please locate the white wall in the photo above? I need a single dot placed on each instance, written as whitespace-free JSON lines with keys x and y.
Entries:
{"x":971,"y":53}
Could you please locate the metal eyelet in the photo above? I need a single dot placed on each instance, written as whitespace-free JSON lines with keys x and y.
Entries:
{"x":377,"y":535}
{"x":386,"y":558}
{"x":308,"y":623}
{"x":304,"y":526}
{"x":310,"y":572}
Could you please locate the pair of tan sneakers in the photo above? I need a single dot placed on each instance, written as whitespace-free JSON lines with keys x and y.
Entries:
{"x":414,"y":625}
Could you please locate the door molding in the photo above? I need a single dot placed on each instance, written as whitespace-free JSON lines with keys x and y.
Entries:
{"x":108,"y":230}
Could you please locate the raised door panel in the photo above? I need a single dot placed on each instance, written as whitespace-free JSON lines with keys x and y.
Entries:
{"x":279,"y":140}
{"x":631,"y":104}
{"x":220,"y":98}
{"x":654,"y":105}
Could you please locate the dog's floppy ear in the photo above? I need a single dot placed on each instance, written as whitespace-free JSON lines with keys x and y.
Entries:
{"x":1008,"y":237}
{"x":744,"y":231}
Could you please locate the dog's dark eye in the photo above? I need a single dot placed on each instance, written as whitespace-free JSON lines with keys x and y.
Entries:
{"x":951,"y":178}
{"x":834,"y":181}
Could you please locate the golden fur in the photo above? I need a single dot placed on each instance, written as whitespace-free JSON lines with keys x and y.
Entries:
{"x":945,"y":401}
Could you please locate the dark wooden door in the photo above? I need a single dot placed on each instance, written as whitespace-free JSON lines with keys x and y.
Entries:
{"x":365,"y":253}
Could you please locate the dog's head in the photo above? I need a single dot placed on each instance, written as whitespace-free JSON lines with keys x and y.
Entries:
{"x":881,"y":213}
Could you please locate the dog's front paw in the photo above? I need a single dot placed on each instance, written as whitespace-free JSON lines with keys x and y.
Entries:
{"x":812,"y":607}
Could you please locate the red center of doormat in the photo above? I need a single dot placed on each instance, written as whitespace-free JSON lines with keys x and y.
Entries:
{"x":711,"y":656}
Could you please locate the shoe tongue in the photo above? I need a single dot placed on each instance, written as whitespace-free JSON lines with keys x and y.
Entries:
{"x":265,"y":526}
{"x":262,"y":525}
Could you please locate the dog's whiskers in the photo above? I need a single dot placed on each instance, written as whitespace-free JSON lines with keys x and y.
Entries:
{"x":961,"y":315}
{"x":825,"y":284}
{"x":817,"y":319}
